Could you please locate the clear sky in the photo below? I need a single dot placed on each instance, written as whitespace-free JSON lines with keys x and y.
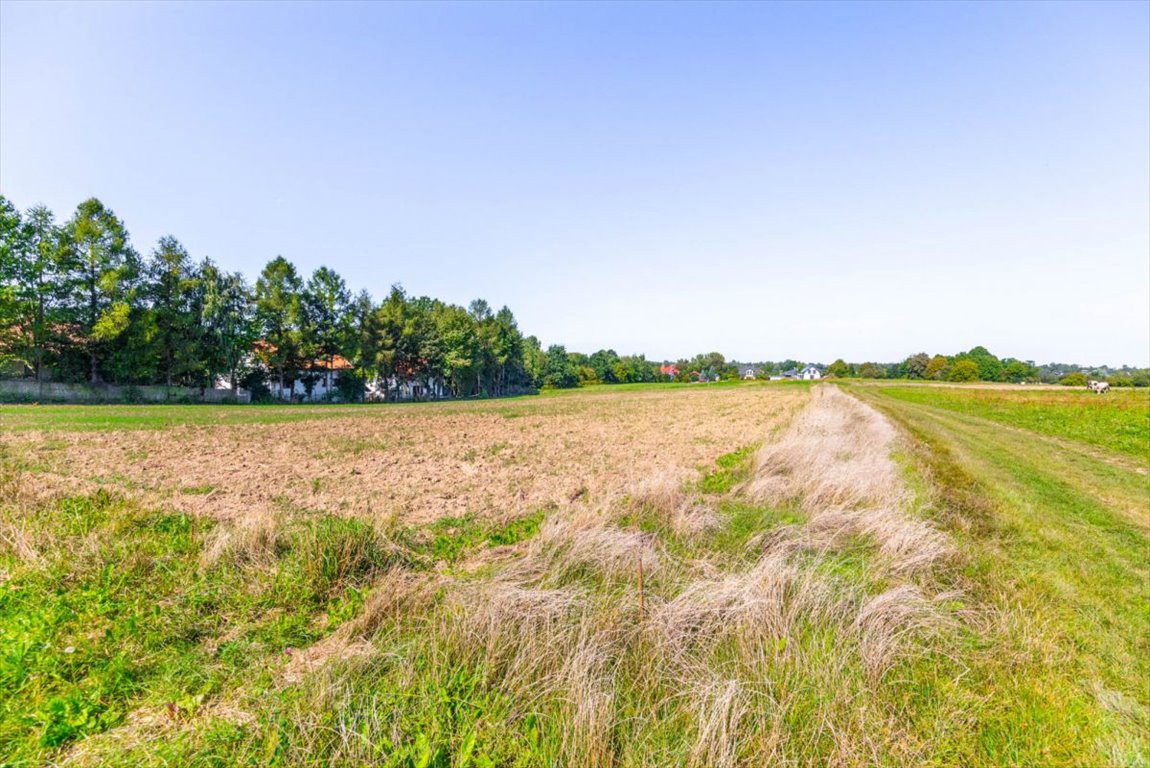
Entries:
{"x":768,"y":180}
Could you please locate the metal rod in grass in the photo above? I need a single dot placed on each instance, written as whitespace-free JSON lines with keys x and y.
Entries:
{"x":641,"y":588}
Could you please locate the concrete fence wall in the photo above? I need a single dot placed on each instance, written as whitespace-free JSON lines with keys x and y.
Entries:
{"x":26,"y":390}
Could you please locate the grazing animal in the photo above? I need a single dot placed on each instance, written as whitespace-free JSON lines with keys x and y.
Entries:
{"x":1098,"y":387}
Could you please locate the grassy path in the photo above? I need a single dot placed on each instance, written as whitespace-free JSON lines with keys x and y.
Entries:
{"x":1055,"y":542}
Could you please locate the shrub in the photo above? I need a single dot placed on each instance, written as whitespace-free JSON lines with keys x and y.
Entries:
{"x":256,"y":382}
{"x":1076,"y":379}
{"x":336,"y":551}
{"x":349,"y":387}
{"x":963,"y":370}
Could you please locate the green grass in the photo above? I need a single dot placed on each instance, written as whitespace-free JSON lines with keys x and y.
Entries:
{"x":448,"y":539}
{"x":1055,"y":550}
{"x":1119,"y":421}
{"x":113,"y":609}
{"x":117,"y":613}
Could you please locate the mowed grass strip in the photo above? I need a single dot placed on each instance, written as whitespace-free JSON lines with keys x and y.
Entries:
{"x":1118,"y":421}
{"x":1055,"y":550}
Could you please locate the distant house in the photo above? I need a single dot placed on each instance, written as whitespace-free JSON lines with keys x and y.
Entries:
{"x":316,"y":379}
{"x":806,"y":373}
{"x":407,"y":382}
{"x":670,"y":371}
{"x":748,"y":372}
{"x":321,"y":374}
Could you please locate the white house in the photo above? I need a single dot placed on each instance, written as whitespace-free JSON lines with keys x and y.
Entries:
{"x":319,"y":377}
{"x":806,"y":373}
{"x":406,"y":388}
{"x":748,"y":371}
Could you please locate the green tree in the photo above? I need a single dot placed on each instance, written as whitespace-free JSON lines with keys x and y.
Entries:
{"x":98,"y":270}
{"x":1017,"y":371}
{"x":534,"y":360}
{"x":278,"y":320}
{"x":173,"y":288}
{"x":989,"y":366}
{"x":40,"y":285}
{"x":461,"y":357}
{"x":327,"y":318}
{"x":13,"y":308}
{"x":937,"y":368}
{"x":228,"y":325}
{"x":559,"y":372}
{"x":915,"y":366}
{"x":963,"y":370}
{"x":603,"y":363}
{"x":507,"y":351}
{"x":838,"y":369}
{"x":871,"y":371}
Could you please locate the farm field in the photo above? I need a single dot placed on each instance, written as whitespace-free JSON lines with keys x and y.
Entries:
{"x":1118,"y":421}
{"x":647,"y":576}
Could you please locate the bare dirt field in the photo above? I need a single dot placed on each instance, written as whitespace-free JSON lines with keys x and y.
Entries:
{"x":418,"y":463}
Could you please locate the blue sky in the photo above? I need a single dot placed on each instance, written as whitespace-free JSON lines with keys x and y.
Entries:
{"x":766,"y":180}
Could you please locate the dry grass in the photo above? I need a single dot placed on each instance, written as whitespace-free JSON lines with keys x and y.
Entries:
{"x":835,"y":460}
{"x":759,"y":605}
{"x":897,"y":623}
{"x":664,"y":496}
{"x":251,"y":540}
{"x":722,"y":704}
{"x":587,"y":542}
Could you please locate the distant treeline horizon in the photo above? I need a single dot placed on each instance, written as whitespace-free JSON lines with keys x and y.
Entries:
{"x":79,"y":303}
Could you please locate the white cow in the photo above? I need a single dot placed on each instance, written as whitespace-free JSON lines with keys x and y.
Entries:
{"x":1098,"y":387}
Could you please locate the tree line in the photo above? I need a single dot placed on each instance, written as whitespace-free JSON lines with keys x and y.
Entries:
{"x":79,"y":303}
{"x":979,"y":364}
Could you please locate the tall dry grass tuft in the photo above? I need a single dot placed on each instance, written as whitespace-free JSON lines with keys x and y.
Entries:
{"x":15,"y":536}
{"x":20,"y":542}
{"x":763,"y":605}
{"x":835,"y":453}
{"x":397,"y":593}
{"x":518,"y":634}
{"x":586,"y":542}
{"x":896,"y":624}
{"x":721,"y":707}
{"x":589,"y":699}
{"x":254,"y":540}
{"x":906,"y":545}
{"x":664,"y":497}
{"x":835,"y":461}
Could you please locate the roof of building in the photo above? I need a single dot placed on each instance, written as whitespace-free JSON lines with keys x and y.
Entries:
{"x":330,"y":363}
{"x":333,"y":363}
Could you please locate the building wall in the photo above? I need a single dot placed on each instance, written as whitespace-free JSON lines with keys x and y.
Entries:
{"x":27,"y":390}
